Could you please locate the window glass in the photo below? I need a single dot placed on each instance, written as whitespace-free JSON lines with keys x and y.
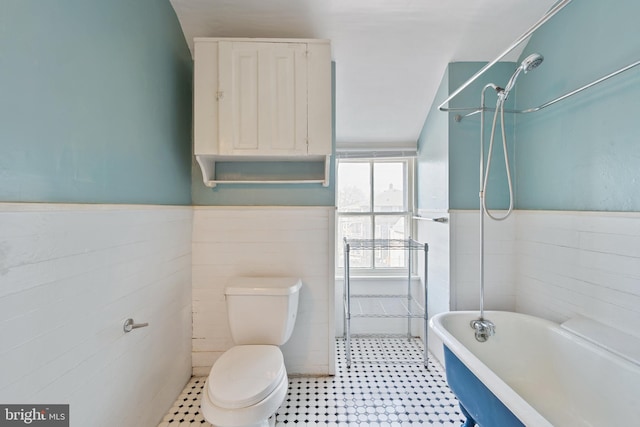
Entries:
{"x":390,"y":227}
{"x":355,"y":227}
{"x":389,"y":187}
{"x":354,"y":187}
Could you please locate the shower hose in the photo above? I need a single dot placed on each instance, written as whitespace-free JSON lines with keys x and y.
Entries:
{"x":499,"y":110}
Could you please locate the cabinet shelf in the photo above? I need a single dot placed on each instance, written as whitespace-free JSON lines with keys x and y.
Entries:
{"x":384,"y":306}
{"x":264,"y":170}
{"x":391,"y":244}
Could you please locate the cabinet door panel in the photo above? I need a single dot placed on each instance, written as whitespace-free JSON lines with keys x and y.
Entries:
{"x":319,"y":104}
{"x":263,"y":98}
{"x":288,"y":106}
{"x":238,"y":97}
{"x":205,"y":112}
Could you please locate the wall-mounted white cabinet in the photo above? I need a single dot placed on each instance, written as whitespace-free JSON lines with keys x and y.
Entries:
{"x":258,"y":100}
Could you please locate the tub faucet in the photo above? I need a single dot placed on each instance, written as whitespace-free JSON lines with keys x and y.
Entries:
{"x":484,"y":329}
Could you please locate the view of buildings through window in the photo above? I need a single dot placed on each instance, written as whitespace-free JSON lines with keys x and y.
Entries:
{"x":373,"y":203}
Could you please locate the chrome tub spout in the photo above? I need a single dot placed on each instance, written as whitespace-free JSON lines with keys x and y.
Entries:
{"x":484,"y":329}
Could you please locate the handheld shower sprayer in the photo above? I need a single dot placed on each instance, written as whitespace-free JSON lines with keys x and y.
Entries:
{"x":529,"y":63}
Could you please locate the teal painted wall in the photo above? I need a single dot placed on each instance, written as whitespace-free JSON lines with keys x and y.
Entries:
{"x":96,"y":102}
{"x":270,"y":194}
{"x":449,"y":151}
{"x":464,"y":138}
{"x":432,"y":162}
{"x":584,"y":152}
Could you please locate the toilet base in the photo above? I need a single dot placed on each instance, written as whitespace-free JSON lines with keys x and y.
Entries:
{"x":271,"y":422}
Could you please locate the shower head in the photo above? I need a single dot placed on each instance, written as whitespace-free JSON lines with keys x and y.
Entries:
{"x":532,"y":61}
{"x":529,"y":63}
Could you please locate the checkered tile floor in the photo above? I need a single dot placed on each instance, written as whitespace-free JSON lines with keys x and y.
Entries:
{"x":384,"y":395}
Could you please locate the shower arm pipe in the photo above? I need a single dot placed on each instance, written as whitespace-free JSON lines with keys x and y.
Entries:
{"x":555,"y":9}
{"x":481,"y":195}
{"x":556,"y":100}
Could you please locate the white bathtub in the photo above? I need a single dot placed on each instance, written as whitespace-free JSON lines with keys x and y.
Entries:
{"x":544,"y":372}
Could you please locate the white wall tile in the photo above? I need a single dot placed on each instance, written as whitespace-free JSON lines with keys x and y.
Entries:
{"x":69,"y":277}
{"x":231,"y":242}
{"x":585,"y":263}
{"x":499,"y":266}
{"x":439,"y":236}
{"x":552,"y":264}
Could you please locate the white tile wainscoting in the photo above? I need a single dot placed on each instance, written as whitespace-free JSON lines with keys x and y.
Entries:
{"x":500,"y":261}
{"x":552,"y":264}
{"x":585,"y":263}
{"x":69,"y":277}
{"x":71,"y":274}
{"x":437,"y":236}
{"x":250,"y":241}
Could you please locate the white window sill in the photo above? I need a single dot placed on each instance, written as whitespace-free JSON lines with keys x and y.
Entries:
{"x":378,"y":278}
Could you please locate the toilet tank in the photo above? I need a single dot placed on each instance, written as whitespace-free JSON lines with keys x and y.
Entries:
{"x":262,"y":310}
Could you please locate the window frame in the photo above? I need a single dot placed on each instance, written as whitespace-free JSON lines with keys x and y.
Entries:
{"x":407,"y":214}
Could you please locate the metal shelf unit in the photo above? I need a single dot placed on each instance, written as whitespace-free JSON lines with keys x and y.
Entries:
{"x":386,"y":305}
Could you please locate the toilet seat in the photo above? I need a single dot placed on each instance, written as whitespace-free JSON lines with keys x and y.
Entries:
{"x":245,"y":375}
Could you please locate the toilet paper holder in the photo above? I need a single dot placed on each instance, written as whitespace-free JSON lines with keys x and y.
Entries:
{"x":129,"y":325}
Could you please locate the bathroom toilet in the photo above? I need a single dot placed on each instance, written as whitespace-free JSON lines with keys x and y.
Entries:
{"x":248,"y":383}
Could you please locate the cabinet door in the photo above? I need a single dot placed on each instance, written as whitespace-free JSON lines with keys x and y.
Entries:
{"x":262,"y":98}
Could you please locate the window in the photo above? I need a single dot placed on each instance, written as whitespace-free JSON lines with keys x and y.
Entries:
{"x":374,"y":201}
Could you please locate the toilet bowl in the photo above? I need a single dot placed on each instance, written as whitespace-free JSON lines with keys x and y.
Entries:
{"x":245,"y":387}
{"x":248,"y":383}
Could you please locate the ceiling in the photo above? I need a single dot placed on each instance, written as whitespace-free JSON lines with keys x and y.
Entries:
{"x":390,"y":55}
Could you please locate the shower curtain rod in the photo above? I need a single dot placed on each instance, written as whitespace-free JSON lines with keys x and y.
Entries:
{"x":555,"y":9}
{"x":476,"y":110}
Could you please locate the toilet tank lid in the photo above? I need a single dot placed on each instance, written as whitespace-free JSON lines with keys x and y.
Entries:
{"x":263,"y":286}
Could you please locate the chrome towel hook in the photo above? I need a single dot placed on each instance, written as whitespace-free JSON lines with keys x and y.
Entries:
{"x":129,"y":325}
